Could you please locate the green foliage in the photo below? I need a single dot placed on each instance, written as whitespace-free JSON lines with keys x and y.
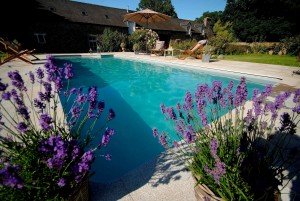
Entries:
{"x":144,"y":38}
{"x":208,"y":49}
{"x":3,"y":56}
{"x":214,"y":17}
{"x":183,"y":45}
{"x":223,"y":36}
{"x":263,"y":20}
{"x":292,"y":44}
{"x":110,"y":41}
{"x":236,"y":49}
{"x":162,"y":6}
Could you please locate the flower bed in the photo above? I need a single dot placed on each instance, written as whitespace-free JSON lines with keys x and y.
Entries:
{"x":42,"y":156}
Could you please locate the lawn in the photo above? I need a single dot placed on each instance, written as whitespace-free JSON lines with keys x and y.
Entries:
{"x":285,"y":60}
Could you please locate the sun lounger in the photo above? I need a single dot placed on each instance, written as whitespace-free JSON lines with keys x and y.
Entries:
{"x":14,"y":49}
{"x":159,"y":48}
{"x":20,"y":55}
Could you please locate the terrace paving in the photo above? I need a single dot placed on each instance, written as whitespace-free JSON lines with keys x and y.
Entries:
{"x":165,"y":177}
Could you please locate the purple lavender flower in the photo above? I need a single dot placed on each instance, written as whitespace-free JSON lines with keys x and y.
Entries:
{"x":73,"y":91}
{"x":201,"y":104}
{"x":163,"y":108}
{"x":22,"y":127}
{"x":155,"y":132}
{"x":179,"y":126}
{"x":75,"y":112}
{"x":81,"y":98}
{"x":201,"y":91}
{"x":106,"y":136}
{"x":188,"y":136}
{"x":214,"y":147}
{"x":16,"y":98}
{"x":85,"y":163}
{"x":3,"y":86}
{"x":23,"y":111}
{"x":101,"y":106}
{"x":188,"y":101}
{"x":163,"y":139}
{"x":230,"y":85}
{"x":255,"y":93}
{"x":40,"y":73}
{"x":39,"y":105}
{"x":6,"y":95}
{"x":249,"y":117}
{"x":31,"y":77}
{"x":296,"y":109}
{"x":175,"y":144}
{"x":108,"y":157}
{"x":68,"y":71}
{"x":178,"y":107}
{"x":16,"y":80}
{"x":93,"y":94}
{"x":267,"y":91}
{"x":9,"y":176}
{"x":296,"y":98}
{"x":217,"y":172}
{"x":45,"y":122}
{"x":61,"y":182}
{"x":171,"y":113}
{"x":58,"y":84}
{"x":111,"y":114}
{"x":241,"y":93}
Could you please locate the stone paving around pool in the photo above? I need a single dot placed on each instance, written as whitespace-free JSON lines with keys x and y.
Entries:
{"x":166,"y":178}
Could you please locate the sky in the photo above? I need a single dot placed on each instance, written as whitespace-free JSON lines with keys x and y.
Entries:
{"x":186,"y":9}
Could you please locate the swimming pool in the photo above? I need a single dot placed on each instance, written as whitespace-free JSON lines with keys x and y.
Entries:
{"x":135,"y":91}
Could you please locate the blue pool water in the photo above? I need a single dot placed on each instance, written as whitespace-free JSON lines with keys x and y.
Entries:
{"x":135,"y":90}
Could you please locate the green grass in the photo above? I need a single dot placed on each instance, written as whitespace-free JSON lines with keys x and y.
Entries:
{"x":285,"y":60}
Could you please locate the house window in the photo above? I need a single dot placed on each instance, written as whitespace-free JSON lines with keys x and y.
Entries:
{"x":93,"y":42}
{"x":40,"y":38}
{"x":84,"y":13}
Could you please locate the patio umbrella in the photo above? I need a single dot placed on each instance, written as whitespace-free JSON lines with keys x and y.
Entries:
{"x":146,"y":16}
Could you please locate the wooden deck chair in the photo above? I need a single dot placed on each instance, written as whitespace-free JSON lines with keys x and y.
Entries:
{"x":20,"y":55}
{"x":159,"y":48}
{"x":15,"y":48}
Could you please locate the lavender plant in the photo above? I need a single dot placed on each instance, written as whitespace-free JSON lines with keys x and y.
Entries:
{"x":45,"y":154}
{"x":234,"y":147}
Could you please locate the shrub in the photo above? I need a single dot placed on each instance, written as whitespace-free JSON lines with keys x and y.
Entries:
{"x":146,"y":38}
{"x":232,"y":48}
{"x":49,"y":160}
{"x":183,"y":45}
{"x":292,"y":45}
{"x":223,"y":36}
{"x":110,"y":40}
{"x":240,"y":155}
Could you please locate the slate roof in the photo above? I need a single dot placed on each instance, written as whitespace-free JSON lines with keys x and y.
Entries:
{"x":106,"y":16}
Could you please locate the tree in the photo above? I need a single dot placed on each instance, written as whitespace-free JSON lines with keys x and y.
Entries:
{"x":263,"y":20}
{"x":162,"y":6}
{"x":214,"y":17}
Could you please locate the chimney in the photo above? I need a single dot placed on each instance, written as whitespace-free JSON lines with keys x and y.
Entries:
{"x":127,"y":9}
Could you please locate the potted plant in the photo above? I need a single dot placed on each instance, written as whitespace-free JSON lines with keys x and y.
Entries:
{"x":43,"y":157}
{"x":123,"y":46}
{"x":234,"y":153}
{"x":207,"y":52}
